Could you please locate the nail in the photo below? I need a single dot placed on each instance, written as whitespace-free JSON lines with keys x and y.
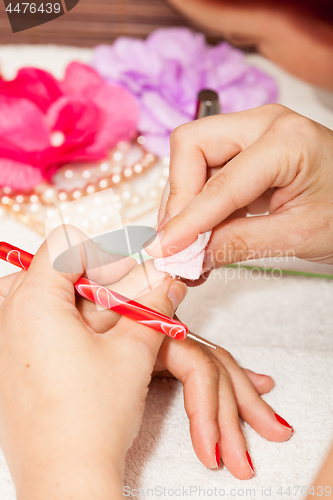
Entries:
{"x":177,"y":293}
{"x":283,"y":422}
{"x":217,"y":455}
{"x":165,"y":219}
{"x":149,"y":241}
{"x":156,"y":241}
{"x":249,"y":461}
{"x":208,"y":262}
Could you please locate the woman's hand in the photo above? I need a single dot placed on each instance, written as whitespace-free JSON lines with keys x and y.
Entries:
{"x":71,"y":401}
{"x":269,"y":158}
{"x":217,"y":391}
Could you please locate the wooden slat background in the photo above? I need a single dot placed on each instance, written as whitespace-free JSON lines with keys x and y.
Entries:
{"x":97,"y":21}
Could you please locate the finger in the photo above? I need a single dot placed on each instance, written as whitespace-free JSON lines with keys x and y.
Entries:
{"x":210,"y":405}
{"x":139,"y":338}
{"x":210,"y":141}
{"x":262,"y":383}
{"x":232,"y":443}
{"x":256,"y":412}
{"x":199,"y":376}
{"x":52,"y":290}
{"x":268,"y":236}
{"x":233,"y":446}
{"x":71,"y":251}
{"x":62,"y":257}
{"x":131,"y":348}
{"x":66,"y":255}
{"x":202,"y":395}
{"x":140,"y":280}
{"x":162,"y":218}
{"x":244,"y":179}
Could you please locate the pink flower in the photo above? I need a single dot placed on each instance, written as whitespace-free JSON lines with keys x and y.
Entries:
{"x":45,"y":123}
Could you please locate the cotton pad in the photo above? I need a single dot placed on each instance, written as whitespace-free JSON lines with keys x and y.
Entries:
{"x":188,"y":262}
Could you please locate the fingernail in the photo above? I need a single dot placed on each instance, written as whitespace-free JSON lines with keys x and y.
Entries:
{"x":217,"y":455}
{"x":155,"y":242}
{"x":165,"y":219}
{"x":283,"y":422}
{"x":208,"y":262}
{"x":249,"y":461}
{"x":177,"y":293}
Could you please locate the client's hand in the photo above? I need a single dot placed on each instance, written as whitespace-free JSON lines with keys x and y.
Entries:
{"x":216,"y":390}
{"x":71,"y":401}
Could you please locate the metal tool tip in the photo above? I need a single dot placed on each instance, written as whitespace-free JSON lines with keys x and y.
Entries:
{"x":194,"y":337}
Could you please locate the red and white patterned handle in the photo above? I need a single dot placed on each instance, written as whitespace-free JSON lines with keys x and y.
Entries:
{"x":106,"y":298}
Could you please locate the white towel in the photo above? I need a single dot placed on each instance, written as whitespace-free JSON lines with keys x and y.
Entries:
{"x":279,"y":327}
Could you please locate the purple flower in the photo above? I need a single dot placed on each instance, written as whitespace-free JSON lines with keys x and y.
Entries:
{"x":167,"y":70}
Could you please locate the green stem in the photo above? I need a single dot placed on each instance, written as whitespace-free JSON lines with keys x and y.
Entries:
{"x":283,"y":271}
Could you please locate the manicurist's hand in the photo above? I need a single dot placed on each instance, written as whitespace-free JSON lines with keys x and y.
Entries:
{"x":71,"y":401}
{"x":217,"y":391}
{"x":265,"y":159}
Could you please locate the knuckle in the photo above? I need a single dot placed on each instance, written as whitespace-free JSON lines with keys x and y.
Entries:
{"x":203,"y":366}
{"x":243,"y":405}
{"x":218,"y":185}
{"x":162,"y":305}
{"x":237,"y":248}
{"x":166,"y":308}
{"x":71,"y":239}
{"x":275,"y":109}
{"x":175,"y":191}
{"x":227,"y":357}
{"x":223,"y":373}
{"x":180,"y":135}
{"x":295,"y":123}
{"x":68,"y":233}
{"x":58,"y":232}
{"x":210,"y":369}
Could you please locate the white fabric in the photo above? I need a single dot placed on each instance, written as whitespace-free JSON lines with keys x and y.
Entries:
{"x":188,"y":262}
{"x":282,"y":327}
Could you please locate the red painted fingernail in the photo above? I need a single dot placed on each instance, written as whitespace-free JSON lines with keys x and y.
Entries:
{"x":283,"y":422}
{"x":217,"y":455}
{"x":249,"y":461}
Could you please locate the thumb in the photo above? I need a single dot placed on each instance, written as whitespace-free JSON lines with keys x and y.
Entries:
{"x":237,"y":184}
{"x":164,"y":299}
{"x":67,"y":254}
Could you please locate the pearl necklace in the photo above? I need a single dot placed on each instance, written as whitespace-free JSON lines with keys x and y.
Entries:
{"x":136,"y":176}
